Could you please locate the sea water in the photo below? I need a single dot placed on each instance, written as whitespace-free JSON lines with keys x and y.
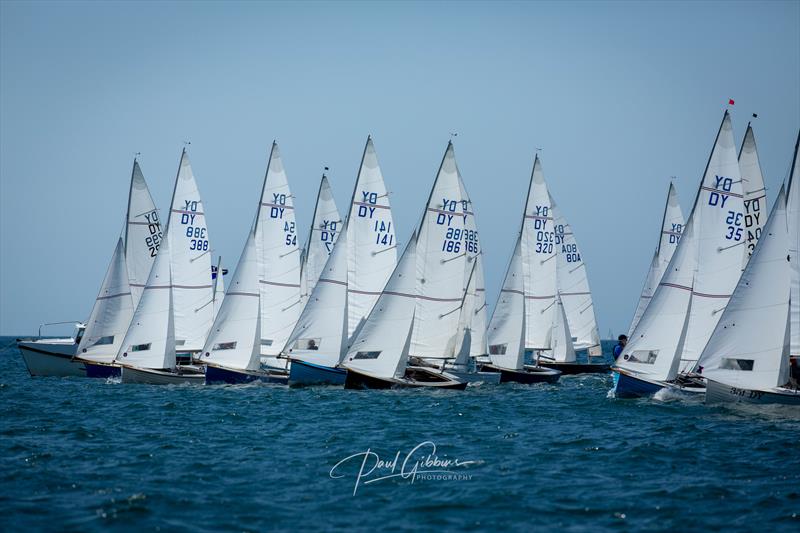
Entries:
{"x":94,"y":455}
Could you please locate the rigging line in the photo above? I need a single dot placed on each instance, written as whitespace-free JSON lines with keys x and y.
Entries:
{"x":574,"y":269}
{"x":384,"y":250}
{"x":548,"y":259}
{"x":549,"y":306}
{"x":204,"y":305}
{"x":192,"y":260}
{"x":451,"y":312}
{"x":291,"y":252}
{"x":287,"y":308}
{"x":453,"y":258}
{"x":723,"y":248}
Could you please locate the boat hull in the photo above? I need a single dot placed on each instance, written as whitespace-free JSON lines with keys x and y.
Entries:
{"x":477,"y":377}
{"x":415,"y":378}
{"x":529,"y":375}
{"x":216,"y":375}
{"x":302,"y":373}
{"x":717,"y":392}
{"x":102,"y":370}
{"x":627,"y":386}
{"x":568,"y":369}
{"x":151,"y":376}
{"x":44,"y":359}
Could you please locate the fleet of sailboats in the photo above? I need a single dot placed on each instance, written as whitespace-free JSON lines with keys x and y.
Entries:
{"x":718,"y":314}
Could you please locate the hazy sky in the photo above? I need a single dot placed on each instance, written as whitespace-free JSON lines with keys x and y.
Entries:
{"x":620,"y":96}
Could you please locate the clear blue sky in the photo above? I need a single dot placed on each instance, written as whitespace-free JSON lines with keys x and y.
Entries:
{"x":620,"y":96}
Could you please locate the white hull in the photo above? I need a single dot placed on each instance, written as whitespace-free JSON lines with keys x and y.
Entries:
{"x":720,"y":393}
{"x":160,"y":377}
{"x":54,"y":358}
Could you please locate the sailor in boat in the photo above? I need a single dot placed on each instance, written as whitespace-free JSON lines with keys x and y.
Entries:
{"x":622,"y":340}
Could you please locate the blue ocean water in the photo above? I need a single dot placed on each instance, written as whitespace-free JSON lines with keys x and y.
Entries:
{"x":83,"y":454}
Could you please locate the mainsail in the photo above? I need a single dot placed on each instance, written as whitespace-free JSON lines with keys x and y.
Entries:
{"x":671,"y":228}
{"x":111,"y":314}
{"x":737,"y":356}
{"x":572,"y":281}
{"x":755,"y":196}
{"x":278,"y":258}
{"x":190,"y":262}
{"x":441,"y":265}
{"x":235,"y":337}
{"x":325,"y":228}
{"x":476,"y":318}
{"x":563,"y":348}
{"x":142,"y":234}
{"x":372,"y":248}
{"x":793,"y":217}
{"x":538,"y":262}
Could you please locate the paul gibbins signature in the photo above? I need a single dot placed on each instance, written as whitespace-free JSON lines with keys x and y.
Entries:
{"x":420,"y":461}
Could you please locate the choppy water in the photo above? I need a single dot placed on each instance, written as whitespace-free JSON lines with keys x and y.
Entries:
{"x":91,"y":455}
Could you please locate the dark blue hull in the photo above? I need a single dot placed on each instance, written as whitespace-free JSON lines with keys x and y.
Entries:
{"x":303,"y":374}
{"x":94,"y":370}
{"x":630,"y":387}
{"x":217,"y":376}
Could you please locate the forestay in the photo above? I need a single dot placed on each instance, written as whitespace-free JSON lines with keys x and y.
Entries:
{"x":111,"y":314}
{"x":190,"y":258}
{"x":671,"y":228}
{"x":750,"y":344}
{"x":382,"y":345}
{"x":372,"y":249}
{"x":142,"y":233}
{"x":278,"y":258}
{"x":235,"y":337}
{"x":507,"y":326}
{"x":441,"y":265}
{"x":325,"y":227}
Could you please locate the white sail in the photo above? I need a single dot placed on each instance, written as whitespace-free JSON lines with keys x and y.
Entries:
{"x":219,"y":288}
{"x":150,"y":339}
{"x":750,"y":346}
{"x":573,"y":286}
{"x":325,"y":227}
{"x":793,"y":218}
{"x":320,"y":336}
{"x":671,"y":228}
{"x":382,"y":344}
{"x":463,"y":349}
{"x":278,"y":258}
{"x":474,"y":251}
{"x":755,"y":196}
{"x":190,"y":257}
{"x":111,"y":314}
{"x":234,"y":339}
{"x":538,"y":262}
{"x":719,"y":228}
{"x":563,"y":348}
{"x":507,"y":326}
{"x":441,"y":264}
{"x":142,"y":233}
{"x":653,"y":349}
{"x":372,"y":248}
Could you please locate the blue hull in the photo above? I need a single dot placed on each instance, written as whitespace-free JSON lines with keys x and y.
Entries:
{"x":629,"y":387}
{"x":303,"y":374}
{"x":216,"y":376}
{"x":102,"y":371}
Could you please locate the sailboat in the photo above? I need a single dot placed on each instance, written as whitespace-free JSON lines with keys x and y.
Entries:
{"x":793,"y":217}
{"x":279,"y":262}
{"x":325,"y":227}
{"x":695,"y":289}
{"x":740,"y":366}
{"x":232,"y":350}
{"x":574,"y":297}
{"x":132,"y":259}
{"x":175,"y":312}
{"x":671,"y":229}
{"x":755,"y":195}
{"x":369,"y":254}
{"x":523,"y":317}
{"x":378,"y":357}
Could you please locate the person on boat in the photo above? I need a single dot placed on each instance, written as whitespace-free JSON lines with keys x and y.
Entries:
{"x":312,"y":345}
{"x":622,"y":340}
